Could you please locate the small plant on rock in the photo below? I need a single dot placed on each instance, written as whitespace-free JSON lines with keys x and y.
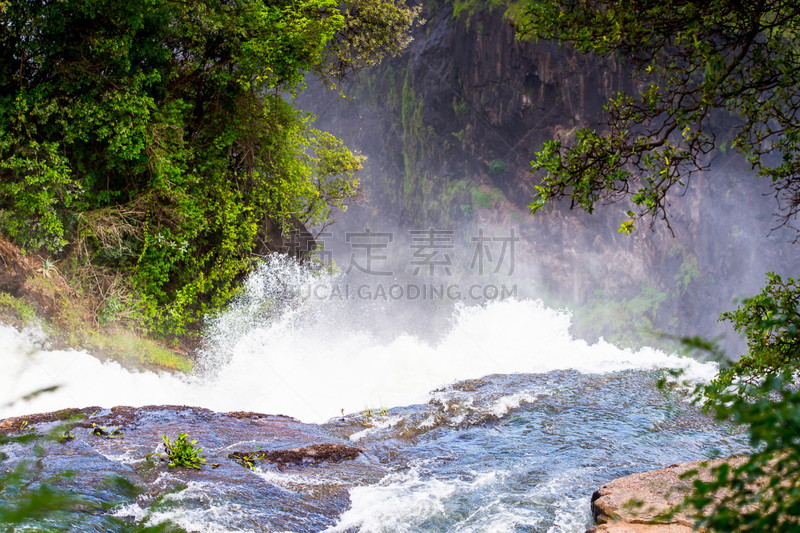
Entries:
{"x":182,"y":452}
{"x":498,"y":166}
{"x":247,"y":460}
{"x":48,"y":267}
{"x":102,"y":431}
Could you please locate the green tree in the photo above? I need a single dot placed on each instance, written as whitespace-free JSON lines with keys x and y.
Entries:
{"x":713,"y":72}
{"x":761,"y":493}
{"x":759,"y":392}
{"x":771,"y":324}
{"x":156,"y":139}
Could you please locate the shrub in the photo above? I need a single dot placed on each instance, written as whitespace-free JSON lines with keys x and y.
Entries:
{"x":182,"y":452}
{"x":498,"y":166}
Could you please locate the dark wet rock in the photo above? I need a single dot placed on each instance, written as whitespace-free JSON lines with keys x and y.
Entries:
{"x":14,"y":269}
{"x":414,"y":457}
{"x":307,"y":455}
{"x":18,"y":424}
{"x":295,"y":241}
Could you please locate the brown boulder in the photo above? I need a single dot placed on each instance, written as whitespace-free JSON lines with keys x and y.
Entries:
{"x":638,"y":503}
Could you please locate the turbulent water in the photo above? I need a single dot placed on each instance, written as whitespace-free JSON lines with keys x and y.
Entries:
{"x":503,"y":423}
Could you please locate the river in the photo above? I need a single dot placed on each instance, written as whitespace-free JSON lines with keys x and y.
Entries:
{"x":503,"y":422}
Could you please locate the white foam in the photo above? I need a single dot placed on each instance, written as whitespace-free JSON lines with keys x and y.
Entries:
{"x":378,"y":423}
{"x":402,"y":501}
{"x":312,"y":369}
{"x":207,"y":519}
{"x":83,"y":380}
{"x":295,"y":481}
{"x":409,"y":500}
{"x":127,"y":458}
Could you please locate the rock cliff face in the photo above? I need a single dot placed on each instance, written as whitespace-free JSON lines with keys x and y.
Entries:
{"x":450,"y":129}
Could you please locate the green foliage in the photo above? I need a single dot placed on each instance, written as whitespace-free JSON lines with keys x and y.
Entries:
{"x":470,"y":7}
{"x":17,"y":307}
{"x":699,"y":62}
{"x":374,"y":412}
{"x":135,"y":351}
{"x":688,"y":272}
{"x":25,"y":501}
{"x":771,"y":323}
{"x":160,"y":137}
{"x":460,"y":108}
{"x":762,"y":493}
{"x":497,"y":166}
{"x":481,"y":199}
{"x":247,"y":460}
{"x":371,"y":30}
{"x":182,"y":452}
{"x":416,"y":137}
{"x":102,"y":431}
{"x":415,"y":134}
{"x":41,"y":183}
{"x":486,"y":199}
{"x":623,"y":319}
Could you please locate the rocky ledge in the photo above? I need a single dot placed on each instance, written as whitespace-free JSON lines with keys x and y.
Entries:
{"x":297,"y":476}
{"x":637,"y":503}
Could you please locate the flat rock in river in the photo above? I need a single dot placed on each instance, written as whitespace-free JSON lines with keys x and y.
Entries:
{"x":298,"y":476}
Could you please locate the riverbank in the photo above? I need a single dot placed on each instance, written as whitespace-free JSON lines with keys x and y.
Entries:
{"x":38,"y":298}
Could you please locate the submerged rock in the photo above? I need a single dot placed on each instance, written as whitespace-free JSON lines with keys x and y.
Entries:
{"x":638,"y":503}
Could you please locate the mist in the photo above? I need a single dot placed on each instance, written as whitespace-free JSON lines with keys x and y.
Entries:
{"x":449,"y":130}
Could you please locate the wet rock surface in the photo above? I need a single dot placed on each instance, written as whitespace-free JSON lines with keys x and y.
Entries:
{"x":298,"y":466}
{"x":521,"y":450}
{"x":636,"y":503}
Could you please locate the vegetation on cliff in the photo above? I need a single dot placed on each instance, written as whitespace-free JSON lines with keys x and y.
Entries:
{"x":147,"y":147}
{"x":711,"y":75}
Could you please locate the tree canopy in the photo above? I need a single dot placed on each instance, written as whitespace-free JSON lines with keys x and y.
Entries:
{"x":714,"y":74}
{"x":152,"y":139}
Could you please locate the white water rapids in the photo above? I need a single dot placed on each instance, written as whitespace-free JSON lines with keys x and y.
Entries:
{"x":310,"y":361}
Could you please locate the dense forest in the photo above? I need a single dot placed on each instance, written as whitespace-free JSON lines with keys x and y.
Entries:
{"x":149,"y":147}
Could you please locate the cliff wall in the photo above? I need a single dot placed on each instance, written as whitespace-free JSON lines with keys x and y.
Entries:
{"x":450,"y":128}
